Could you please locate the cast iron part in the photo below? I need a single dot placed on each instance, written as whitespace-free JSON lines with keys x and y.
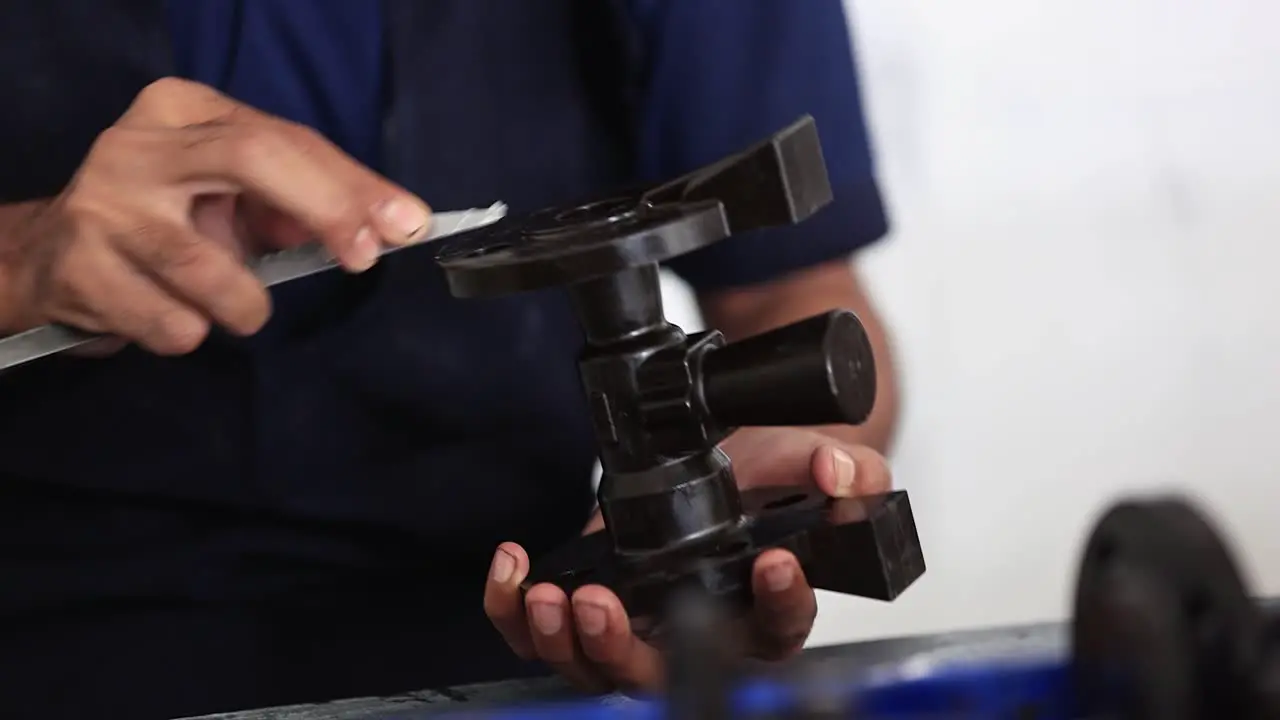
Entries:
{"x":1165,"y":628}
{"x":662,"y":400}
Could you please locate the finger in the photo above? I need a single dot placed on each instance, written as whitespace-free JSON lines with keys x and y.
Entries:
{"x":604,"y":631}
{"x":784,"y":608}
{"x":551,"y":626}
{"x":204,"y":273}
{"x":502,"y":601}
{"x":113,"y":297}
{"x":199,"y":135}
{"x":105,"y":347}
{"x":174,"y":102}
{"x":214,"y":217}
{"x":268,"y":229}
{"x":348,"y":207}
{"x":843,"y":470}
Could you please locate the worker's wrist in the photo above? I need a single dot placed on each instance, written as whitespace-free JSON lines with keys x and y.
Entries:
{"x":16,"y":225}
{"x":10,"y":252}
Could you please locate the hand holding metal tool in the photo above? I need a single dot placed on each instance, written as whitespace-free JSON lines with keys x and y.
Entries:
{"x":272,"y":269}
{"x":146,"y":240}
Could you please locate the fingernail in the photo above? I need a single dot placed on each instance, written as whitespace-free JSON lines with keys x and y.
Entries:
{"x":406,"y":217}
{"x":503,"y":567}
{"x":842,"y":464}
{"x":592,"y":619}
{"x":547,"y":618}
{"x":778,"y":577}
{"x":364,"y":251}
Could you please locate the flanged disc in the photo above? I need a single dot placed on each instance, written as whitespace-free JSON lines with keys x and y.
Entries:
{"x":864,"y":546}
{"x":569,"y":245}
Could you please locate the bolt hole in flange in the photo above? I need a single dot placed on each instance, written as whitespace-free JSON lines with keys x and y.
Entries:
{"x":603,"y":211}
{"x":580,"y":222}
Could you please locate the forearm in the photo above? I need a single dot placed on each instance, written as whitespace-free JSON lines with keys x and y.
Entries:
{"x":744,"y":312}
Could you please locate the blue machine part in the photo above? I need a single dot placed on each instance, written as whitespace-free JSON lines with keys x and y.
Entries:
{"x":1020,"y":690}
{"x":1023,"y":691}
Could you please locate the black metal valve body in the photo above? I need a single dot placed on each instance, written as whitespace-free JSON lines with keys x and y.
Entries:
{"x":662,"y":400}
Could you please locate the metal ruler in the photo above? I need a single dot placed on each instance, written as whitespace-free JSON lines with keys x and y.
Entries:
{"x":272,"y":269}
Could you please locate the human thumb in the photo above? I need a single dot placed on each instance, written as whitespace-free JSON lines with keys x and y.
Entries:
{"x":834,"y":470}
{"x":792,"y":456}
{"x":846,"y":470}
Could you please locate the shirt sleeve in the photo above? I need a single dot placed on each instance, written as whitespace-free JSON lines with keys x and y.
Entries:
{"x":721,"y":75}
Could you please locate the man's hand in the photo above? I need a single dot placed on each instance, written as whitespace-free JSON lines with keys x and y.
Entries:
{"x":588,"y":638}
{"x":147,"y":242}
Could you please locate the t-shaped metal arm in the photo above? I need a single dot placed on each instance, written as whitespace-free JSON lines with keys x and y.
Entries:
{"x":662,"y":400}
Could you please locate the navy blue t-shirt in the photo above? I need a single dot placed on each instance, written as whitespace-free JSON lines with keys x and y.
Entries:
{"x":310,"y":513}
{"x":275,"y":571}
{"x":709,"y":63}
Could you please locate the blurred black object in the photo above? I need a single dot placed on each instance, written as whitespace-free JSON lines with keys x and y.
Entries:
{"x":1165,"y":628}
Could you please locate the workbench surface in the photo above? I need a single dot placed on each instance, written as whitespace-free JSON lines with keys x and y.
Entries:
{"x":1030,"y":640}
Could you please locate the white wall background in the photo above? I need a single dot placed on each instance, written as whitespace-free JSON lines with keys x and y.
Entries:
{"x":1084,"y":280}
